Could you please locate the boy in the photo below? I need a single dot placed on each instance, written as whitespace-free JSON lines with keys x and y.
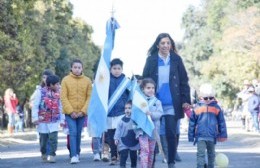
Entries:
{"x":46,"y":114}
{"x":117,"y":97}
{"x":125,"y":138}
{"x":206,"y":125}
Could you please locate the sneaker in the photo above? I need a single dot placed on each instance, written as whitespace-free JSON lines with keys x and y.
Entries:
{"x":171,"y":165}
{"x":113,"y":161}
{"x":74,"y":160}
{"x":51,"y":159}
{"x":164,"y":160}
{"x":78,"y":157}
{"x":105,"y":157}
{"x":96,"y":157}
{"x":44,"y":158}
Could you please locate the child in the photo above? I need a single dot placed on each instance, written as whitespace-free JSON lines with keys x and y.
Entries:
{"x":206,"y":125}
{"x":147,"y":143}
{"x":125,"y":138}
{"x":46,"y":114}
{"x":44,"y":75}
{"x":116,"y":111}
{"x":75,"y":95}
{"x":19,"y":117}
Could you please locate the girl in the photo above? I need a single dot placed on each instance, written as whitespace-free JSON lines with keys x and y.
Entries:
{"x":147,"y":143}
{"x":11,"y":102}
{"x":75,"y":95}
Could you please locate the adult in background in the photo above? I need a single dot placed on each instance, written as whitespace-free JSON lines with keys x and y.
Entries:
{"x":166,"y":68}
{"x":253,"y":107}
{"x":11,"y":102}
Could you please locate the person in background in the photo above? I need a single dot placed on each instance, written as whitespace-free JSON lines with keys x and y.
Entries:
{"x":47,"y":115}
{"x":10,"y":102}
{"x":75,"y":96}
{"x":206,"y":126}
{"x":253,"y":107}
{"x":166,"y":68}
{"x":20,"y":117}
{"x":244,"y":95}
{"x":125,"y":138}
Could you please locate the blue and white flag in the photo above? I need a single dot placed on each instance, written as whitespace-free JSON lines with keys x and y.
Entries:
{"x":124,"y":84}
{"x":98,"y":105}
{"x":139,"y":108}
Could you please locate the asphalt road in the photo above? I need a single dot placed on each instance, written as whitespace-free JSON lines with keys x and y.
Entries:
{"x":22,"y":150}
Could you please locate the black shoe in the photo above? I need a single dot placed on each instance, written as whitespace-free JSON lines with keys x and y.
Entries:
{"x":171,"y":165}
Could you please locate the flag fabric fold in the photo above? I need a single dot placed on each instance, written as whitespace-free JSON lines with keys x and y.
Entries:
{"x":98,"y":105}
{"x":139,"y":108}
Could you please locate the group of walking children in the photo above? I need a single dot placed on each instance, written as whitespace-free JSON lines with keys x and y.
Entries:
{"x":166,"y":91}
{"x":52,"y":105}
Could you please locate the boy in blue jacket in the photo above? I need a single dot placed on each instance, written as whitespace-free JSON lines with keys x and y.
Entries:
{"x":206,"y":126}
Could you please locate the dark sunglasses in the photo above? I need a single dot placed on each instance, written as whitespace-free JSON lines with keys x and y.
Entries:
{"x":208,"y":98}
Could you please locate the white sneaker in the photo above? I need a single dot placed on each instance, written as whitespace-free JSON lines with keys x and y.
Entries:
{"x":74,"y":160}
{"x":96,"y":157}
{"x":78,"y":157}
{"x":51,"y":159}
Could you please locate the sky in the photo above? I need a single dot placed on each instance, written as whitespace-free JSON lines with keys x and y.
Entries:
{"x":140,"y":22}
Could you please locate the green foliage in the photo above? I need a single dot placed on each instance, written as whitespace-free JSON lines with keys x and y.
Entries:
{"x":35,"y":35}
{"x":224,"y":50}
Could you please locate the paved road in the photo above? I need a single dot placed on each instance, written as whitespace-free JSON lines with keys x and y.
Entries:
{"x":22,"y":150}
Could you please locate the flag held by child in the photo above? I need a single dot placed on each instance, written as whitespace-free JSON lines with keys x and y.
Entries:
{"x":139,"y":109}
{"x":98,"y":106}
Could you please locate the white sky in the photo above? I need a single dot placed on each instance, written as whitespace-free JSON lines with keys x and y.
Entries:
{"x":140,"y":23}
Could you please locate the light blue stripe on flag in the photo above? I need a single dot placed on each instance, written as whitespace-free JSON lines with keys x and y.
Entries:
{"x":139,"y":109}
{"x":98,"y":105}
{"x":118,"y":92}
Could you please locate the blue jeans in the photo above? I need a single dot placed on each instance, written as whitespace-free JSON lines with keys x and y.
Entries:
{"x":11,"y":119}
{"x":255,"y":121}
{"x":75,"y":129}
{"x":97,"y":145}
{"x":19,"y":126}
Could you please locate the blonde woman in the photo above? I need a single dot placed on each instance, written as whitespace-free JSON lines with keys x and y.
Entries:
{"x":11,"y":102}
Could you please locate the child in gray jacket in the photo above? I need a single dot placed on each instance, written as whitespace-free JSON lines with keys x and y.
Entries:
{"x":125,"y":138}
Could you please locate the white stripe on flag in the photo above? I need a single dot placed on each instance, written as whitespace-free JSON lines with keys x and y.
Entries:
{"x":117,"y":93}
{"x":102,"y":82}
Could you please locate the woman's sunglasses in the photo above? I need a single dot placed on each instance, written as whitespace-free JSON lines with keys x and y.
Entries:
{"x":208,"y":98}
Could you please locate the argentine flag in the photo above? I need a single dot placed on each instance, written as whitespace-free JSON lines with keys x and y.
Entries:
{"x":139,"y":109}
{"x":98,"y":105}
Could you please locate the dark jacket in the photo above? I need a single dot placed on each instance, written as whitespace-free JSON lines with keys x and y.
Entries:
{"x":119,"y":106}
{"x":178,"y":80}
{"x":207,"y":121}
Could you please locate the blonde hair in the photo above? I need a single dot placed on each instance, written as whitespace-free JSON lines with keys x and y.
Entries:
{"x":8,"y":92}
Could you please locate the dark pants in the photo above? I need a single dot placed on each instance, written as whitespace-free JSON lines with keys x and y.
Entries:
{"x":201,"y":148}
{"x":52,"y":140}
{"x":109,"y":138}
{"x":124,"y":156}
{"x":170,"y":131}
